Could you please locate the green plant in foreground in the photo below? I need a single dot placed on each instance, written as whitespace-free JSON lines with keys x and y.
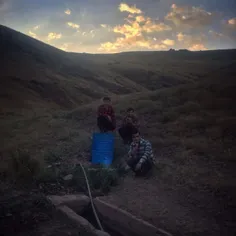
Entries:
{"x":100,"y":178}
{"x":23,"y":167}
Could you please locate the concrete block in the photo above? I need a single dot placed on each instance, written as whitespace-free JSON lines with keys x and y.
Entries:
{"x":77,"y":202}
{"x":124,"y":222}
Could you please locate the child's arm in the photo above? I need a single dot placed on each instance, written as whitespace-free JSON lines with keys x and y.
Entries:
{"x":113,"y":118}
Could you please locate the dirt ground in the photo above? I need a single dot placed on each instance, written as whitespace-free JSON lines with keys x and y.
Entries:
{"x":31,"y":214}
{"x":180,"y":211}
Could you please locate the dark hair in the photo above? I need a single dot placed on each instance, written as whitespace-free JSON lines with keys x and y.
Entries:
{"x":106,"y":99}
{"x":130,"y":109}
{"x":135,"y":131}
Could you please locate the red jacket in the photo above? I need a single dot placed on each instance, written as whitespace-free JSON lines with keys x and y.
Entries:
{"x":108,"y":111}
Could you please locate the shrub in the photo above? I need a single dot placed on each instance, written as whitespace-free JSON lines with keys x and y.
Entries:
{"x":22,"y":167}
{"x":100,"y":178}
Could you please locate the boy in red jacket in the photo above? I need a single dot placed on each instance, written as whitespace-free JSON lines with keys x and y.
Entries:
{"x":106,"y":116}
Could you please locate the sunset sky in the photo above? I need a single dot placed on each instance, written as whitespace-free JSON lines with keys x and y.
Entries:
{"x":107,"y":26}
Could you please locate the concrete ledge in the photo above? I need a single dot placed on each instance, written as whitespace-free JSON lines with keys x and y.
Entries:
{"x":77,"y":202}
{"x":81,"y":223}
{"x":124,"y":222}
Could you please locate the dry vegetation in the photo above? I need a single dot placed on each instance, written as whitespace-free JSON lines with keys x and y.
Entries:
{"x":186,"y":102}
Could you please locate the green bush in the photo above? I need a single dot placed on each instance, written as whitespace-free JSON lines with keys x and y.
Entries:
{"x":100,"y":178}
{"x":23,"y":167}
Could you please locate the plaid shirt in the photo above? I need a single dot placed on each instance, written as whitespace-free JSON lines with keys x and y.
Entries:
{"x":144,"y":151}
{"x":107,"y":110}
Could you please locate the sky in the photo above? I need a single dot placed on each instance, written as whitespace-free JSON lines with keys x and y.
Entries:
{"x":111,"y":26}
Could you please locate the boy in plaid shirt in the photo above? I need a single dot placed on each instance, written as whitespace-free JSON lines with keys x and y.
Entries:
{"x":140,"y":155}
{"x":106,"y":116}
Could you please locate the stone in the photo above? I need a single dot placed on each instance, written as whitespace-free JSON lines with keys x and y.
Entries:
{"x":100,"y":233}
{"x":68,"y":177}
{"x":80,"y":222}
{"x":124,"y":222}
{"x":78,"y":202}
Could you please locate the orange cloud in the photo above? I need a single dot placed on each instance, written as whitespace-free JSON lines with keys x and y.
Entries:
{"x":197,"y":47}
{"x":52,"y":36}
{"x":135,"y":33}
{"x":232,"y":21}
{"x":73,"y":25}
{"x":189,"y":16}
{"x":152,"y":26}
{"x":130,"y":9}
{"x":67,"y":12}
{"x":180,"y":37}
{"x":192,"y":42}
{"x":140,"y":18}
{"x":64,"y":46}
{"x":231,"y":24}
{"x":32,"y":34}
{"x":168,"y":42}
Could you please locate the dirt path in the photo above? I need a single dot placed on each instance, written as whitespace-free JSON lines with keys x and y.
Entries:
{"x":179,"y":211}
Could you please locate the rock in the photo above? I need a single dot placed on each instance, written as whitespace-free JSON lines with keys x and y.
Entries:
{"x":77,"y":202}
{"x":68,"y":177}
{"x":124,"y":222}
{"x":78,"y":220}
{"x":100,"y":233}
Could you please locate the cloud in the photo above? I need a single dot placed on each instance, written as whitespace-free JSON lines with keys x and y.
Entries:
{"x":36,"y":27}
{"x":52,"y":36}
{"x":105,"y":26}
{"x":140,"y":18}
{"x":216,"y":34}
{"x":131,"y":9}
{"x":232,"y":21}
{"x":168,"y":42}
{"x":192,"y":42}
{"x":73,"y":25}
{"x":67,"y":12}
{"x":64,"y":46}
{"x":231,"y":24}
{"x":191,"y":17}
{"x":32,"y":34}
{"x":134,"y":34}
{"x":134,"y":28}
{"x":153,"y":26}
{"x":180,"y":37}
{"x":197,"y":47}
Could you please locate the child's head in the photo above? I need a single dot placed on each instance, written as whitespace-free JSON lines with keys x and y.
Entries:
{"x":136,"y":135}
{"x":130,"y":111}
{"x":106,"y":100}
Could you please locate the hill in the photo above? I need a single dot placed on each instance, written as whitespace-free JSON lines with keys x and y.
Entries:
{"x":36,"y":75}
{"x":192,"y":129}
{"x":185,"y":100}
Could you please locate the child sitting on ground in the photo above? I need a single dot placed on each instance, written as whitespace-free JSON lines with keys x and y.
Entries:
{"x":140,"y":156}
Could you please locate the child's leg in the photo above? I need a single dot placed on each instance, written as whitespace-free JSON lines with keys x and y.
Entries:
{"x":145,"y":168}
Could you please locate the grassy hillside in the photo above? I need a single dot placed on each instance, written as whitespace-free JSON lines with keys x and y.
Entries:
{"x":38,"y":76}
{"x":185,"y":100}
